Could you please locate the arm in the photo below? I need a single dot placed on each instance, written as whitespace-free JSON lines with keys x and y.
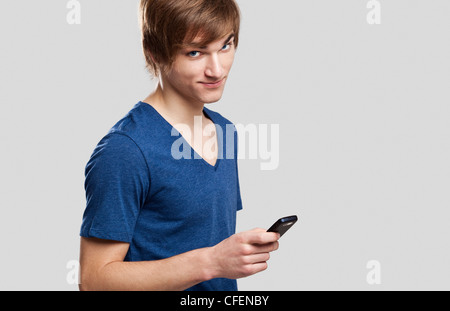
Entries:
{"x":102,"y":268}
{"x":243,"y":254}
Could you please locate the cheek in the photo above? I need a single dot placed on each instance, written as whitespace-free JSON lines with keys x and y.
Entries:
{"x":228,"y":61}
{"x":180,"y":77}
{"x":189,"y":72}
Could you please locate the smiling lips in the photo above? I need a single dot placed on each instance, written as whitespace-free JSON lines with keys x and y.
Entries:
{"x":213,"y":85}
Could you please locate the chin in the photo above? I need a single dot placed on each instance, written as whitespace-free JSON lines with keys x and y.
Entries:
{"x":211,"y":99}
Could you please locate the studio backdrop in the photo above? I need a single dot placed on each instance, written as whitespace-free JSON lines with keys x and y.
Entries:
{"x":343,"y":110}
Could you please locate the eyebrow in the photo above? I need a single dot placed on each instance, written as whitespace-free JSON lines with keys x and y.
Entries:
{"x":203,"y":47}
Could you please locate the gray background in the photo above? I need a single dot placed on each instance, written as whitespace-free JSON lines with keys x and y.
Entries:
{"x":364,"y":121}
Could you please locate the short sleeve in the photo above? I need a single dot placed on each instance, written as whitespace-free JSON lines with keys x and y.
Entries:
{"x":117,"y":181}
{"x":239,"y":199}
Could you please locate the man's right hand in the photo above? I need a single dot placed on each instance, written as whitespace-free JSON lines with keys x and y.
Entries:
{"x":243,"y":254}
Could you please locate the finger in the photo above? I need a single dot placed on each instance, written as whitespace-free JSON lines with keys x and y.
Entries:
{"x":256,"y":237}
{"x":258,"y":230}
{"x":265,"y":248}
{"x":256,"y":258}
{"x":258,"y":267}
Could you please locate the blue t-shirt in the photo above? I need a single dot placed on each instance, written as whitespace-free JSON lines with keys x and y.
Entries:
{"x":139,"y":191}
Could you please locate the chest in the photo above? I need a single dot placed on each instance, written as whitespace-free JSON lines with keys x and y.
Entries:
{"x":203,"y":140}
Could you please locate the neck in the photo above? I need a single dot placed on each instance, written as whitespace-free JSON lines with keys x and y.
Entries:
{"x":173,"y":107}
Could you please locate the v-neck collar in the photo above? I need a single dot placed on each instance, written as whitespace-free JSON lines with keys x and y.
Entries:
{"x":196,"y":155}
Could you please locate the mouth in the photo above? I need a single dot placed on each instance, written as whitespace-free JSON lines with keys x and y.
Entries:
{"x":213,"y":85}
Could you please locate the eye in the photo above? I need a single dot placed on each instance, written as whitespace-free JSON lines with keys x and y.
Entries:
{"x":194,"y":54}
{"x":227,"y":46}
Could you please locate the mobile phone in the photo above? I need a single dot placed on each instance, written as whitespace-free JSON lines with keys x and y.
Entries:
{"x":283,"y":224}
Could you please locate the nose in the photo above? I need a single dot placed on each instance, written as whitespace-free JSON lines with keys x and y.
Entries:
{"x":214,"y":68}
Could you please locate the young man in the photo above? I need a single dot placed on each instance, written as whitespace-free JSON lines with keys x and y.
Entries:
{"x":154,"y":220}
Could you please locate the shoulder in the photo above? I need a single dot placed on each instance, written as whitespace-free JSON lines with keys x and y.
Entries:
{"x":121,"y":139}
{"x":140,"y":126}
{"x":132,"y":122}
{"x":116,"y":150}
{"x":120,"y":147}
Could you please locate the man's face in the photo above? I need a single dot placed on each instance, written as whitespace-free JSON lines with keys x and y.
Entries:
{"x":199,"y":73}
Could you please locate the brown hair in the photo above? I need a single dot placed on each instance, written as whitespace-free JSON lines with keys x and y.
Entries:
{"x":167,"y":25}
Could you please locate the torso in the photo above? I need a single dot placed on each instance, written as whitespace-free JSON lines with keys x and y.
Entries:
{"x":209,"y":148}
{"x":211,"y":156}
